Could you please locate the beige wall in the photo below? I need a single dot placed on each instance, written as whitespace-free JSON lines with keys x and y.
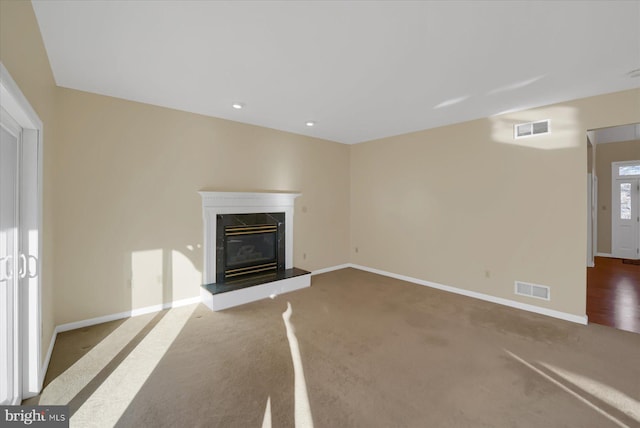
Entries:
{"x":463,"y":205}
{"x":22,"y":53}
{"x":128,"y":208}
{"x":468,"y":206}
{"x":605,"y":154}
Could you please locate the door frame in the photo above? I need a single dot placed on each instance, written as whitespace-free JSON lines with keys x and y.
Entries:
{"x":30,"y":297}
{"x":615,"y":202}
{"x":592,"y":202}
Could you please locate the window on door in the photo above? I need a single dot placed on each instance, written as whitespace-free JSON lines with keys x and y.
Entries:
{"x":625,"y":201}
{"x":628,"y":170}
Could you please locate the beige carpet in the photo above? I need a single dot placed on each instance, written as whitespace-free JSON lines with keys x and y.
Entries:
{"x":374,"y":352}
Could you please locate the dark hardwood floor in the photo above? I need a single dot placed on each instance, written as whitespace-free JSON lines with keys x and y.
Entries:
{"x":613,"y":294}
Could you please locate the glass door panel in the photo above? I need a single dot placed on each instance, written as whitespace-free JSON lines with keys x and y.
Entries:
{"x":9,"y":346}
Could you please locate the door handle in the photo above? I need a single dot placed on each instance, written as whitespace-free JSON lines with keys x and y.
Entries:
{"x":6,"y":269}
{"x":35,"y":266}
{"x":3,"y":269}
{"x":22,"y":266}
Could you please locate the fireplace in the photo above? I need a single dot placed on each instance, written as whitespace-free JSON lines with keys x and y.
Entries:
{"x":248,"y":245}
{"x":248,"y":248}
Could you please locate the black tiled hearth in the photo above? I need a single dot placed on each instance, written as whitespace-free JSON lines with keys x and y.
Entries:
{"x":217,"y":288}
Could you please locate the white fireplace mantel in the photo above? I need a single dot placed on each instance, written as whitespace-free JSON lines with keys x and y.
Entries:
{"x":214,"y":203}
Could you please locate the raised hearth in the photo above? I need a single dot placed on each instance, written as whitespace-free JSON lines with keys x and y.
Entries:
{"x":248,"y":248}
{"x":251,"y":288}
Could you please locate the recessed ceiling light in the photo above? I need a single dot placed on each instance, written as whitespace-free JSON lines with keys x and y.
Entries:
{"x":237,"y":106}
{"x":310,"y":123}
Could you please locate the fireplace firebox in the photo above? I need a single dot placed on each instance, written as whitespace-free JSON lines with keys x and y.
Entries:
{"x":249,"y":245}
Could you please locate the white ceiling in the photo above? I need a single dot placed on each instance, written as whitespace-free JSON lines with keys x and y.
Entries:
{"x":361,"y":70}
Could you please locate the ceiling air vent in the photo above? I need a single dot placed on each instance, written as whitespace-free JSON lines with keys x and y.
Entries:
{"x":532,"y":128}
{"x":532,"y":290}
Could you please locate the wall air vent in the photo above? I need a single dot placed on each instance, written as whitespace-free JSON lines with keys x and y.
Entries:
{"x":532,"y":128}
{"x":532,"y":290}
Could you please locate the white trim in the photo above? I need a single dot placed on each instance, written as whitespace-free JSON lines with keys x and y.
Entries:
{"x":605,"y":255}
{"x":331,"y":269}
{"x":47,"y":358}
{"x":16,"y":103}
{"x":120,"y":315}
{"x":592,"y":217}
{"x":580,"y":319}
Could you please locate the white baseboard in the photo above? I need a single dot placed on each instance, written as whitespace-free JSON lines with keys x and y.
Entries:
{"x":47,"y":359}
{"x":156,"y":308}
{"x":126,"y":314}
{"x":330,"y":269}
{"x":580,"y":319}
{"x":605,"y":255}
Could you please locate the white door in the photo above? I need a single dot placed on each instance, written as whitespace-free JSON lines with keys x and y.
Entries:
{"x":625,"y":220}
{"x":10,"y":371}
{"x":20,"y":244}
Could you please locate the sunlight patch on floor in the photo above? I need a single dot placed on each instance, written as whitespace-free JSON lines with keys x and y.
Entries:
{"x":626,"y":305}
{"x":302,"y":408}
{"x":65,"y":387}
{"x":109,"y":402}
{"x":609,"y":395}
{"x":266,"y":421}
{"x":566,"y":389}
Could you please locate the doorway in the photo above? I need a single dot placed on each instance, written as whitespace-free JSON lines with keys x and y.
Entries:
{"x":613,"y":279}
